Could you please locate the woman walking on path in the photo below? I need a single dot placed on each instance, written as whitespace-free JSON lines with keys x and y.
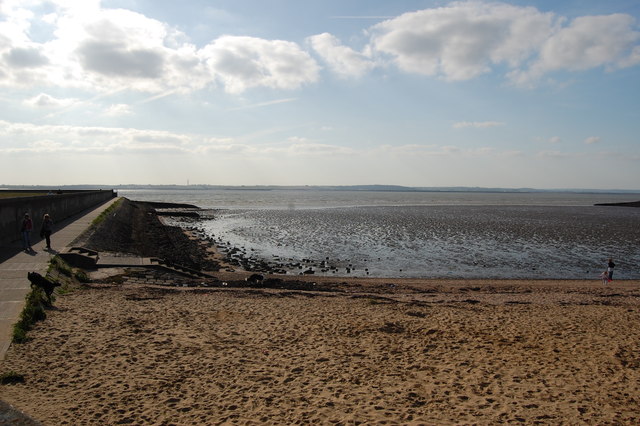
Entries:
{"x":27,"y":226}
{"x":47,"y":227}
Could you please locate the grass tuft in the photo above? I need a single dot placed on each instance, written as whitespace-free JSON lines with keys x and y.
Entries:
{"x":61,"y":266}
{"x":81,"y":276}
{"x":33,"y":312}
{"x":11,"y":378}
{"x":98,"y":220}
{"x":67,"y":276}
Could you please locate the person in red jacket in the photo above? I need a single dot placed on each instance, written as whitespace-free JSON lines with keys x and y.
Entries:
{"x":27,"y":226}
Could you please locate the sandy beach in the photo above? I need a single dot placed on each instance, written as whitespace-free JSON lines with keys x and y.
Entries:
{"x":469,"y":352}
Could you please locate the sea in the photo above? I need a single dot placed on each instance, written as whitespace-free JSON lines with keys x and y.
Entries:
{"x":523,"y":235}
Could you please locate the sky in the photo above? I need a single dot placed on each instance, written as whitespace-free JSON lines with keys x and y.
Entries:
{"x":539,"y":93}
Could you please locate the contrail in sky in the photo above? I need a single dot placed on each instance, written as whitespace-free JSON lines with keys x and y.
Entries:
{"x":361,"y":17}
{"x":262,"y":104}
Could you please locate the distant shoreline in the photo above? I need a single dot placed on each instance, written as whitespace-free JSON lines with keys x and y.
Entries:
{"x":371,"y":188}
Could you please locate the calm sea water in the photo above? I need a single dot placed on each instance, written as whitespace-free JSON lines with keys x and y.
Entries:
{"x":427,"y":234}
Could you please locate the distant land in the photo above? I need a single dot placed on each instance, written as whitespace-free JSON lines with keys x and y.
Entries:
{"x":382,"y":188}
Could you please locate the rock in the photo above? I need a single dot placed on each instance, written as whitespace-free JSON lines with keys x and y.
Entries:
{"x":255,"y":278}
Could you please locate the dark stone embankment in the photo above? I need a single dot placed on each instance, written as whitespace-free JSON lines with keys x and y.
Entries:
{"x":159,"y":205}
{"x":134,"y":228}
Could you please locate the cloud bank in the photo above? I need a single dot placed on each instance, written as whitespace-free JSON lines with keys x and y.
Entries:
{"x":99,"y":49}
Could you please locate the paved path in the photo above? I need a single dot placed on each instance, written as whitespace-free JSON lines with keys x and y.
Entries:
{"x":14,"y":417}
{"x":14,"y":265}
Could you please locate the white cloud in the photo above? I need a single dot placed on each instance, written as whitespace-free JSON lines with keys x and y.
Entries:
{"x":341,"y":59}
{"x":305,"y":148}
{"x":412,"y":151}
{"x":105,"y":49}
{"x":44,"y":100}
{"x":477,"y":124}
{"x":31,"y":138}
{"x":118,"y":48}
{"x":548,"y":140}
{"x":96,"y":49}
{"x":45,"y":145}
{"x":78,"y":7}
{"x":462,"y":40}
{"x":26,"y":137}
{"x":224,"y":147}
{"x":100,"y":50}
{"x":310,"y":160}
{"x":484,"y":151}
{"x":120,"y":60}
{"x":466,"y":39}
{"x":592,"y":140}
{"x":25,"y":57}
{"x":588,"y":42}
{"x":118,"y":110}
{"x":246,"y":62}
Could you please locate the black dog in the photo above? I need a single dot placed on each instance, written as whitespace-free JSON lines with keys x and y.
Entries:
{"x":44,"y":283}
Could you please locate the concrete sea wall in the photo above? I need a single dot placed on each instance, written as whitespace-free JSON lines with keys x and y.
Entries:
{"x":59,"y":206}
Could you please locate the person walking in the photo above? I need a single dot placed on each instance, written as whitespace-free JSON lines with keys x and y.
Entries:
{"x":27,"y":226}
{"x":610,"y":267}
{"x":47,"y":228}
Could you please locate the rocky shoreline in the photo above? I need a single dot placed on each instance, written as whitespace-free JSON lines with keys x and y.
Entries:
{"x":136,"y":228}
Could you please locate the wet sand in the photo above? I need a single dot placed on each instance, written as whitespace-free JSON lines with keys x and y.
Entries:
{"x":373,"y":352}
{"x":498,"y":242}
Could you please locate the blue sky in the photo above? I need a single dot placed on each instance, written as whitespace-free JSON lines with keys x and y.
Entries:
{"x":512,"y":94}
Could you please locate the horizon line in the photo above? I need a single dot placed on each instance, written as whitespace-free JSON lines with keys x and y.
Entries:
{"x":457,"y":188}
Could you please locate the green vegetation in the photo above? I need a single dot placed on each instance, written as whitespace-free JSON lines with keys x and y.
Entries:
{"x":36,"y":301}
{"x":20,"y":194}
{"x":81,"y":276}
{"x":67,"y":276}
{"x":59,"y":265}
{"x":33,"y":312}
{"x":98,"y":220}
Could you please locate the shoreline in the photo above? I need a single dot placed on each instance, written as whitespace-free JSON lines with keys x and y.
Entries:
{"x":488,"y":286}
{"x":213,"y":252}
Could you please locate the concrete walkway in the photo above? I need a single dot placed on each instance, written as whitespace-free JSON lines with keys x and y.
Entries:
{"x":15,"y":263}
